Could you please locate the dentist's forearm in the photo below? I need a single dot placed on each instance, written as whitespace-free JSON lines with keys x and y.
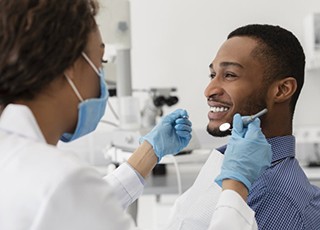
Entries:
{"x":143,"y":159}
{"x":236,"y":186}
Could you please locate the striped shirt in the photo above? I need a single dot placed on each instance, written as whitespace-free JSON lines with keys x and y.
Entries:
{"x":282,"y":196}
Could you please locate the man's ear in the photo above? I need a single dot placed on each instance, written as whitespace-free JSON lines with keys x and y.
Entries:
{"x":282,"y":90}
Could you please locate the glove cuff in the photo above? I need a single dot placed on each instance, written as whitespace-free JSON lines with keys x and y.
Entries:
{"x":149,"y":140}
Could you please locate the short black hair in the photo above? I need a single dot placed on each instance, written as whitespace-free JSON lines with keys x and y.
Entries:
{"x":280,"y":51}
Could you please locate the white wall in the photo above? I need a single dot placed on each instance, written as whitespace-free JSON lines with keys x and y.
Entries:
{"x":173,"y":42}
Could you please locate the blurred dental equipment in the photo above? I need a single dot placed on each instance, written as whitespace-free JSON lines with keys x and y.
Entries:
{"x":130,"y":120}
{"x":246,"y":120}
{"x":114,"y":20}
{"x":153,"y":108}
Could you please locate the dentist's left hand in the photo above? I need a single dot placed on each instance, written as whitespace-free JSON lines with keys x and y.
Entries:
{"x":171,"y":135}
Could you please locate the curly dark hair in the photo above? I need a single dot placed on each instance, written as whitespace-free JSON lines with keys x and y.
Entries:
{"x":39,"y":39}
{"x":280,"y":52}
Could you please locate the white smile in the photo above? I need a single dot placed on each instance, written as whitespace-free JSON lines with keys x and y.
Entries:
{"x":218,"y":109}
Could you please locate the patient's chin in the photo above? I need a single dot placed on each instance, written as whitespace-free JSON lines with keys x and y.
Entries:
{"x":217,"y":133}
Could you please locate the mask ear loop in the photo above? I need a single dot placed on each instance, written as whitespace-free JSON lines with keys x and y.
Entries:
{"x":74,"y":88}
{"x":72,"y":84}
{"x":90,"y":63}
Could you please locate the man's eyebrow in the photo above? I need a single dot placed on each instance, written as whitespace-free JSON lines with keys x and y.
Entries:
{"x":225,"y":64}
{"x":102,"y":45}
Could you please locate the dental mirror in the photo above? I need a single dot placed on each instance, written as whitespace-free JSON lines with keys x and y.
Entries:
{"x":246,"y":120}
{"x":224,"y":127}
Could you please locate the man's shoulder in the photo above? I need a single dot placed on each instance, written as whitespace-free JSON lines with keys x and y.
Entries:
{"x":282,"y":175}
{"x":285,"y":181}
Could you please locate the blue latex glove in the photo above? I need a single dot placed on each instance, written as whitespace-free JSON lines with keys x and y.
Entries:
{"x":247,"y":155}
{"x":171,"y":135}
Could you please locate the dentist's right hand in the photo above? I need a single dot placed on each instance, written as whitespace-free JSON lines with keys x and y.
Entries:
{"x":247,"y":155}
{"x":171,"y":135}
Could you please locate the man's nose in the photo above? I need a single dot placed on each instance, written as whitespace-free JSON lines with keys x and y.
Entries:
{"x":214,"y":88}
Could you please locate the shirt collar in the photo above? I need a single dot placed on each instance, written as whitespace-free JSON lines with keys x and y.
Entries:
{"x":19,"y":120}
{"x":282,"y":147}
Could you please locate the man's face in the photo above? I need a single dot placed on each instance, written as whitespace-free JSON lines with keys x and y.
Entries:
{"x":236,"y":84}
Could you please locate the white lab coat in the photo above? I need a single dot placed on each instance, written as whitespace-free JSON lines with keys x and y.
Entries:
{"x":43,"y":188}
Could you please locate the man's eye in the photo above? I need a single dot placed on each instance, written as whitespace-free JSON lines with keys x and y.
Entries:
{"x":212,"y":75}
{"x":230,"y":75}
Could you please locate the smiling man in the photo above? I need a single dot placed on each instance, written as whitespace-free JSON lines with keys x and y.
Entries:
{"x":257,"y":67}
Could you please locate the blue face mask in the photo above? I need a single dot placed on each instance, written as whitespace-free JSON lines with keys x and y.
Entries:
{"x":90,"y":111}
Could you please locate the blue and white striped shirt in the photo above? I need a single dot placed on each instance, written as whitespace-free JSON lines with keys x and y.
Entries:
{"x":282,"y":196}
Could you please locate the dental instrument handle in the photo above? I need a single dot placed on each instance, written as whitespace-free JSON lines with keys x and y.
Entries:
{"x":249,"y":119}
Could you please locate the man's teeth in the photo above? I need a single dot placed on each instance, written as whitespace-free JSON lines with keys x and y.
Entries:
{"x":218,"y":109}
